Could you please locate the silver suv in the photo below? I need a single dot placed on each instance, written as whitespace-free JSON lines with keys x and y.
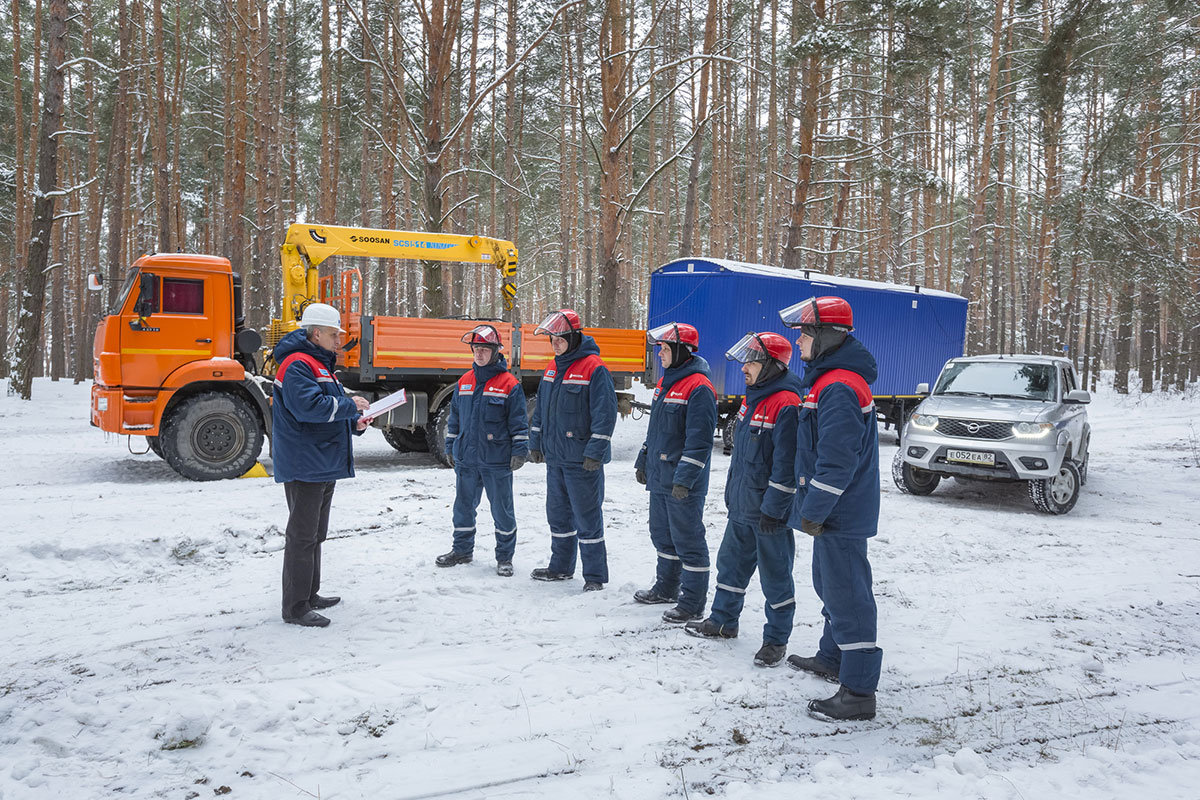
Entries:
{"x":1000,"y":418}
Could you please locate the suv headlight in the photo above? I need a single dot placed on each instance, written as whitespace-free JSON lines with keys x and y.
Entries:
{"x":925,"y":422}
{"x":1032,"y":430}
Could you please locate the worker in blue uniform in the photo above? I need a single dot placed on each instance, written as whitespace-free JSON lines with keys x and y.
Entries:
{"x":837,"y":468}
{"x":571,"y":430}
{"x":673,"y":465}
{"x":758,"y":494}
{"x":487,"y":439}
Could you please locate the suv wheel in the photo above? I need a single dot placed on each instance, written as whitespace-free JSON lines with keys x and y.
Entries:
{"x":1058,"y":493}
{"x":912,"y":480}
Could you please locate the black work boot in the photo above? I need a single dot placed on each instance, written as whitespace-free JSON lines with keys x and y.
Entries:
{"x":310,"y":619}
{"x":452,"y":559}
{"x":504,"y":569}
{"x":318,"y":602}
{"x":650,"y":597}
{"x":707,"y":629}
{"x":677,"y":616}
{"x":593,"y":586}
{"x":815,"y":666}
{"x":547,"y":574}
{"x":843,"y":706}
{"x":770,"y":655}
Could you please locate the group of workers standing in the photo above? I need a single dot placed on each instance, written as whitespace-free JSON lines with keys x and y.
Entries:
{"x":805,"y":457}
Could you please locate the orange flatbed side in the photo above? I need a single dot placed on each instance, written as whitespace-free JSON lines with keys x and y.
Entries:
{"x":410,"y":343}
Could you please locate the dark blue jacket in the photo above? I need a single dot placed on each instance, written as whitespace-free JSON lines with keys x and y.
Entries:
{"x":762,"y":477}
{"x":679,"y":439}
{"x":837,"y":448}
{"x":487,"y":424}
{"x":312,"y":418}
{"x":576,"y":408}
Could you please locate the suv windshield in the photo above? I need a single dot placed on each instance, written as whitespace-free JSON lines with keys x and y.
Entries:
{"x":998,"y":379}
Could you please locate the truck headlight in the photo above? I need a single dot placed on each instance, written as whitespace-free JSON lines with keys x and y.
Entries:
{"x":102,"y":404}
{"x":925,"y":422}
{"x":1032,"y":430}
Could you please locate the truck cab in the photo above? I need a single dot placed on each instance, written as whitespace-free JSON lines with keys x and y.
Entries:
{"x":171,"y":363}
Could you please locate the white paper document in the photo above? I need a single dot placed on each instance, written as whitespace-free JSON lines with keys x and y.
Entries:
{"x":385,"y":404}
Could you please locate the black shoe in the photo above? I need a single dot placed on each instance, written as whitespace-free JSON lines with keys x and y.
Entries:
{"x":453,"y":559}
{"x":593,"y":586}
{"x":814,"y":665}
{"x":504,"y":569}
{"x":708,"y":629}
{"x":843,"y":706}
{"x":650,"y":597}
{"x":678,"y":616}
{"x":547,"y":574}
{"x":310,"y":620}
{"x":770,"y":655}
{"x":317,"y":602}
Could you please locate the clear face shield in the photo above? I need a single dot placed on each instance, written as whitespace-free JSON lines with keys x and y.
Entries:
{"x":555,"y":324}
{"x":803,"y":313}
{"x":748,"y":349}
{"x":664,"y":334}
{"x":482,"y":335}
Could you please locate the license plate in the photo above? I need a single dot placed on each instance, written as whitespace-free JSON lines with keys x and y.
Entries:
{"x":971,"y":457}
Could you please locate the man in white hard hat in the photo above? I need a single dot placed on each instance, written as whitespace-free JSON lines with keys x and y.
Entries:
{"x":313,"y":420}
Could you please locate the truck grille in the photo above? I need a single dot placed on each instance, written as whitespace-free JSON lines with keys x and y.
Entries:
{"x":973,"y":429}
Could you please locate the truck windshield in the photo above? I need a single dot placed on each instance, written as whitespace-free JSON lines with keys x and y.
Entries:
{"x":119,"y":299}
{"x":998,"y":378}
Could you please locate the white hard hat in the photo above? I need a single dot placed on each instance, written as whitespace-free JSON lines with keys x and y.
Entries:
{"x":322,"y":314}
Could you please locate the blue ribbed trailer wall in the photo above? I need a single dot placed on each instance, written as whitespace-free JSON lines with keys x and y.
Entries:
{"x":911,"y":333}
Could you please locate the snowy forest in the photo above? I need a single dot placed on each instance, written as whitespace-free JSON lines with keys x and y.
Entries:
{"x":1040,"y":157}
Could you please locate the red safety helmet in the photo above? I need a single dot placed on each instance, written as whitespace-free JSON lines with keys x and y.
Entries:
{"x":675,"y":332}
{"x":832,"y":311}
{"x":560,"y":323}
{"x":761,"y":347}
{"x":482,"y":336}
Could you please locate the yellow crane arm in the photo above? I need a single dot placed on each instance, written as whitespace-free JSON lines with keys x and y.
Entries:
{"x":306,"y":246}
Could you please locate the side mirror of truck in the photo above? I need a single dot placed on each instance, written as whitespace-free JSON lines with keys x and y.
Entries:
{"x":95,"y":282}
{"x":923,"y":389}
{"x":1078,"y":397}
{"x":144,"y":307}
{"x":147,"y":286}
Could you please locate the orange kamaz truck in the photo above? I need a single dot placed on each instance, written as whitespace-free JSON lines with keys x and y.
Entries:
{"x":175,"y":363}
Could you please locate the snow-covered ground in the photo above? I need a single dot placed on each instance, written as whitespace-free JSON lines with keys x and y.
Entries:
{"x":1026,"y":656}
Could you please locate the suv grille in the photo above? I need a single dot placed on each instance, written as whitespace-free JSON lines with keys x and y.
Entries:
{"x":971,"y":429}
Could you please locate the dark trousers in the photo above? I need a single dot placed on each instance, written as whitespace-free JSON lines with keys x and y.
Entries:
{"x":841,"y":575}
{"x":308,"y":522}
{"x":745,"y":549}
{"x":677,"y":531}
{"x":470,"y":483}
{"x":574,"y":498}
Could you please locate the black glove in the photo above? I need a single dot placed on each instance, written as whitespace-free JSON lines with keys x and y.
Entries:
{"x":516,"y":463}
{"x":640,"y":476}
{"x":810,"y":527}
{"x":591,"y":464}
{"x":449,"y":458}
{"x":536,"y":456}
{"x":769,"y":524}
{"x":679,"y":491}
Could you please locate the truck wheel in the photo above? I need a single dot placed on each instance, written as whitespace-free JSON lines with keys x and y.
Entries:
{"x":406,"y":441}
{"x":1057,"y":494}
{"x":211,"y":436}
{"x":155,"y":445}
{"x":910,"y":479}
{"x":727,"y":436}
{"x":435,"y":433}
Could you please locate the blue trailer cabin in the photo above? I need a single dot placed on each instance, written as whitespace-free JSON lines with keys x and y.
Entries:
{"x":912,"y":331}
